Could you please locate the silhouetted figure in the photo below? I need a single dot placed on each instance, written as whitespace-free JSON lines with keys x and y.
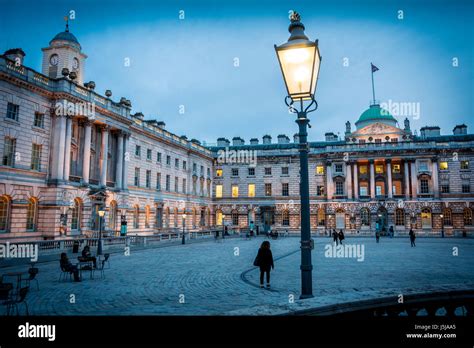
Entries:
{"x":264,"y":260}
{"x":87,"y":256}
{"x":67,"y":266}
{"x":412,"y":238}
{"x":377,"y":236}
{"x":335,"y":237}
{"x":390,"y":231}
{"x":341,"y":236}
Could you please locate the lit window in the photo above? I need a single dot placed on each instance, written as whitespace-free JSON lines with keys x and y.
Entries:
{"x":363,"y":169}
{"x":443,"y":166}
{"x":268,"y":189}
{"x":320,"y":170}
{"x":219,"y":172}
{"x":464,"y":164}
{"x":218,"y":191}
{"x":379,"y":168}
{"x":235,"y":191}
{"x":396,"y":168}
{"x":251,"y":190}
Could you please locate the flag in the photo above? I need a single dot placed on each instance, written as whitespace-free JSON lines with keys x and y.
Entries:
{"x":374,"y":68}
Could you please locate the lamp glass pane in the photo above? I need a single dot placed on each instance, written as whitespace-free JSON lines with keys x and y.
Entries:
{"x":297,"y":66}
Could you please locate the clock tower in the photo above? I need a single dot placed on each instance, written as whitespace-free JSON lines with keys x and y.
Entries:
{"x":64,"y":51}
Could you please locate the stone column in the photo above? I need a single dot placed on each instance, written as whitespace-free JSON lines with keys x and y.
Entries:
{"x":126,"y":162}
{"x":119,"y":168}
{"x":389,"y":178}
{"x":67,"y":148}
{"x":61,"y":130}
{"x":87,"y":151}
{"x":372,"y":179}
{"x":414,"y":180}
{"x":328,"y":180}
{"x":407,"y":180}
{"x":349,"y":180}
{"x":434,"y":176}
{"x":103,"y":154}
{"x":356,"y":181}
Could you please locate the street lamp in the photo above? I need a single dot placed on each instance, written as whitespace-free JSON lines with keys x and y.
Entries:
{"x":442,"y":225}
{"x":299,"y":61}
{"x":223,"y":226}
{"x":183,"y":241}
{"x":101,"y":213}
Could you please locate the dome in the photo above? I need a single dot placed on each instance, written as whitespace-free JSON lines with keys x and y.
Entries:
{"x":375,"y":114}
{"x":66,"y":36}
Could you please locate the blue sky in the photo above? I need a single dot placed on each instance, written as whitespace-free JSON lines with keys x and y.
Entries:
{"x":190,"y":61}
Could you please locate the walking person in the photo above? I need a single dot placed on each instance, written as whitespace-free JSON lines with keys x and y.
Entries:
{"x":335,"y":237}
{"x":251,"y":227}
{"x":264,"y":261}
{"x":390,"y":231}
{"x":412,"y":238}
{"x":377,"y":236}
{"x":341,"y":236}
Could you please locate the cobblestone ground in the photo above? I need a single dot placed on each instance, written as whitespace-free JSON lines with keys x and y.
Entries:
{"x":215,"y":278}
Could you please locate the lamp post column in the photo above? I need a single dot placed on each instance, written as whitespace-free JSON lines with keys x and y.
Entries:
{"x":306,"y":242}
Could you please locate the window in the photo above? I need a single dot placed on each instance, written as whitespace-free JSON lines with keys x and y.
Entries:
{"x":39,"y":120}
{"x":399,"y":217}
{"x":339,"y":188}
{"x":4,"y":213}
{"x":379,"y":188}
{"x":397,"y":187}
{"x":31,"y":214}
{"x":466,"y":187}
{"x":148,"y":154}
{"x":338,"y":168}
{"x":176,"y":184}
{"x":218,"y":191}
{"x":363,"y":170}
{"x":168,"y":160}
{"x":268,"y":171}
{"x":464,"y":165}
{"x":394,"y":140}
{"x":235,"y":171}
{"x":445,"y":188}
{"x":251,"y":189}
{"x":285,"y":218}
{"x":36,"y":157}
{"x":158,"y":157}
{"x":194,"y":167}
{"x":137,"y":177}
{"x":396,"y":168}
{"x":424,"y":187}
{"x":268,"y":189}
{"x":168,"y":183}
{"x":184,"y":165}
{"x":76,"y":215}
{"x":284,"y":189}
{"x":379,"y":168}
{"x":202,"y":170}
{"x":176,"y":163}
{"x":321,"y":217}
{"x":443,"y":165}
{"x":158,"y":181}
{"x":208,"y":172}
{"x":319,"y":190}
{"x":138,"y":150}
{"x":219,"y":173}
{"x":467,"y":214}
{"x":423,"y":166}
{"x":235,"y":191}
{"x":378,"y":142}
{"x":235,"y":218}
{"x":13,"y":111}
{"x":251,"y":171}
{"x":284,"y":170}
{"x":9,"y":152}
{"x":184,"y":186}
{"x":426,"y":218}
{"x":320,"y":170}
{"x":361,"y":141}
{"x":365,"y":217}
{"x":148,"y":179}
{"x":364,"y":189}
{"x":136,"y":216}
{"x":447,"y":217}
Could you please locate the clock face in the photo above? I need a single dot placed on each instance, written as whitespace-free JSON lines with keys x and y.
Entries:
{"x":53,"y":60}
{"x":75,"y":63}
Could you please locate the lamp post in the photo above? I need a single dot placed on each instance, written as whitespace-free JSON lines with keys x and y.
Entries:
{"x":299,"y":61}
{"x":442,"y":225}
{"x":223,"y":226}
{"x":183,"y":241}
{"x":99,"y":245}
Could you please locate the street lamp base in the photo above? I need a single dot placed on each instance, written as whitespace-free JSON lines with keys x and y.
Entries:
{"x":302,"y":297}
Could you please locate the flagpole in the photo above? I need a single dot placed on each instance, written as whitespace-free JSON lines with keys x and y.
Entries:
{"x":373,"y":89}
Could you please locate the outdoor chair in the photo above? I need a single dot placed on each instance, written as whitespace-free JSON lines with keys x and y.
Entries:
{"x":33,"y":272}
{"x":106,"y":260}
{"x":15,"y":302}
{"x":5,"y":289}
{"x":64,"y":274}
{"x":100,"y":268}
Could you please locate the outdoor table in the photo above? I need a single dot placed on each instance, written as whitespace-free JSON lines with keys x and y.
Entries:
{"x":81,"y":267}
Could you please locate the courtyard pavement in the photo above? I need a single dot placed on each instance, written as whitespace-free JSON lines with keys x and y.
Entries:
{"x":210,"y":278}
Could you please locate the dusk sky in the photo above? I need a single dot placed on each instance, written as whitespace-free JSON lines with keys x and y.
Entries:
{"x":190,"y":61}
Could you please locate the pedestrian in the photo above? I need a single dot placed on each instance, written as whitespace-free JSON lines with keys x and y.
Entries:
{"x":251,"y":226}
{"x":264,"y":261}
{"x":341,"y":236}
{"x":216,"y":235}
{"x":412,"y":238}
{"x":390,"y":231}
{"x":335,"y":237}
{"x":377,"y":236}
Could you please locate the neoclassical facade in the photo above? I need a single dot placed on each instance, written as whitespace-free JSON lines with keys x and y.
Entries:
{"x":68,"y":152}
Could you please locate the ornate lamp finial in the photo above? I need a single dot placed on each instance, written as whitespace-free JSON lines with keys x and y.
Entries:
{"x":295,"y":17}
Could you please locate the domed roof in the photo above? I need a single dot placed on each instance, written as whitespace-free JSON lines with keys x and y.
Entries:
{"x":66,"y":36}
{"x":375,"y":113}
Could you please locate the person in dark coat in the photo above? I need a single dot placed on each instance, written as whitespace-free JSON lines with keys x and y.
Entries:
{"x":87,"y":256}
{"x":412,"y":238}
{"x":390,"y":231}
{"x":67,"y":266}
{"x":264,"y":260}
{"x":341,"y":236}
{"x":335,"y":237}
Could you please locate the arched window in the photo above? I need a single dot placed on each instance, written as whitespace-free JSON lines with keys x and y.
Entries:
{"x":467,"y":214}
{"x":235,"y":217}
{"x":285,"y":218}
{"x":321,"y":217}
{"x":447,"y":217}
{"x":32,"y":214}
{"x":426,"y":218}
{"x":365,"y":217}
{"x":399,"y":217}
{"x":136,"y":216}
{"x":159,"y":217}
{"x":147,"y":216}
{"x":219,"y":218}
{"x":76,"y":215}
{"x":4,"y":213}
{"x":113,"y":215}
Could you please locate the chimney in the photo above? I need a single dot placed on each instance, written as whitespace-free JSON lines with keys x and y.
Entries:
{"x":254,"y":141}
{"x":161,"y":124}
{"x":138,"y":115}
{"x":237,"y":141}
{"x":223,"y":142}
{"x":15,"y":54}
{"x":460,"y":129}
{"x":296,"y":138}
{"x":283,"y":139}
{"x":267,"y":139}
{"x":428,"y":131}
